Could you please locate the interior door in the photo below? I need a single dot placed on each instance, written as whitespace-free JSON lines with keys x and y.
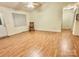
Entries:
{"x":3,"y":31}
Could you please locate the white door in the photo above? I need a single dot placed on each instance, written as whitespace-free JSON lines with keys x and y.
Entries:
{"x":3,"y":31}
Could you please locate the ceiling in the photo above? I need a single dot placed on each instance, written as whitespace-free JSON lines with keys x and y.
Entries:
{"x":9,"y":4}
{"x":20,"y":6}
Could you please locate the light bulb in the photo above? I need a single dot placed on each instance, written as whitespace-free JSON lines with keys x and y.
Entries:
{"x":30,"y":5}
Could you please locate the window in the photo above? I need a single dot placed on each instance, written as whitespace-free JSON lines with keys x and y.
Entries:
{"x":0,"y":22}
{"x":19,"y":19}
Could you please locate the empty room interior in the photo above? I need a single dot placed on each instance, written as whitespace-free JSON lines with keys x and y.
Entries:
{"x":39,"y":29}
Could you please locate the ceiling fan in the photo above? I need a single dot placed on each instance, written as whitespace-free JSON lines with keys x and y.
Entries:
{"x":32,"y":5}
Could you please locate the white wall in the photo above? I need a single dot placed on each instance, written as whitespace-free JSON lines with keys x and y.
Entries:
{"x":76,"y":25}
{"x":8,"y":18}
{"x":76,"y":28}
{"x":49,"y":17}
{"x":3,"y":30}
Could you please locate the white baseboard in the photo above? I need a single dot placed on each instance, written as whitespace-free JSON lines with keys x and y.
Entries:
{"x":50,"y":30}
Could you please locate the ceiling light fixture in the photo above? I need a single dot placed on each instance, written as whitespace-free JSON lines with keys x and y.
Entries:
{"x":32,"y":5}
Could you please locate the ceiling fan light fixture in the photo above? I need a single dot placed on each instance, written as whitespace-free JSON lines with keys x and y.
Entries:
{"x":32,"y":5}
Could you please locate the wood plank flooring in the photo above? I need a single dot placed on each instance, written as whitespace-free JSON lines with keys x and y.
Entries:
{"x":40,"y":44}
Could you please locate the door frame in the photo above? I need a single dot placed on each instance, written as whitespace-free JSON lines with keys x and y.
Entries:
{"x":2,"y":21}
{"x":3,"y":25}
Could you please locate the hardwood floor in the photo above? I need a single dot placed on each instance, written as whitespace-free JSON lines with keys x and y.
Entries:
{"x":40,"y":44}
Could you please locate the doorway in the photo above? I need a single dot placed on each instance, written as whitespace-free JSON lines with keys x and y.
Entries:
{"x":68,"y":18}
{"x":3,"y":30}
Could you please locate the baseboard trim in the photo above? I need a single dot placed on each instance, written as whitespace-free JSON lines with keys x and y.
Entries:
{"x":4,"y":37}
{"x":47,"y":30}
